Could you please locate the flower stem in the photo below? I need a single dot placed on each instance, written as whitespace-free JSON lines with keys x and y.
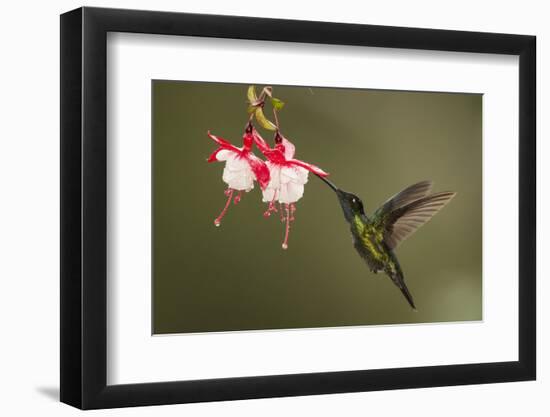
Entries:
{"x":229,"y":193}
{"x":276,"y":117}
{"x":261,"y":101}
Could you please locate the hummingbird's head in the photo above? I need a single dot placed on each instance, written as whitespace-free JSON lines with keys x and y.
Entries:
{"x":351,"y":204}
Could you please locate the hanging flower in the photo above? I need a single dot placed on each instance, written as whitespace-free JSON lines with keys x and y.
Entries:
{"x":242,"y":167}
{"x":288,"y":177}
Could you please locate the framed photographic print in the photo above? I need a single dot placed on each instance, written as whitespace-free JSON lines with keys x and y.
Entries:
{"x":257,"y":208}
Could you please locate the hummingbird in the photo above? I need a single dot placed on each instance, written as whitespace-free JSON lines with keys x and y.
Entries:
{"x":377,"y":236}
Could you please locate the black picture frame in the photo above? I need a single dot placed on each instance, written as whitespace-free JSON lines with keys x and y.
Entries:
{"x":84,"y":207}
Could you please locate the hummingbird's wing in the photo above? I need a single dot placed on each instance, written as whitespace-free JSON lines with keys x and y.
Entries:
{"x":404,"y":197}
{"x":401,"y":222}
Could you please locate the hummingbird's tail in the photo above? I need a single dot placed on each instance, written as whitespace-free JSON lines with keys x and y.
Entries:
{"x":397,"y":278}
{"x":407,"y":294}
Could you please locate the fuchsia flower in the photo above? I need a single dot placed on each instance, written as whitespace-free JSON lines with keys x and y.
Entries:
{"x":287,"y":178}
{"x":242,"y":167}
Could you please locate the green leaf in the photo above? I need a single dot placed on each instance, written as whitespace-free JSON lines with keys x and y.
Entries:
{"x":263,"y":121}
{"x":277,"y":104}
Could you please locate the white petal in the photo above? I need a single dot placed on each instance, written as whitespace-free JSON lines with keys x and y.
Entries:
{"x":236,"y":163}
{"x":291,"y":192}
{"x":275,"y":175}
{"x":302,"y":174}
{"x":224,"y":154}
{"x":240,"y":180}
{"x":268,"y":194}
{"x":288,"y":174}
{"x":241,"y":183}
{"x":295,"y":191}
{"x":282,"y":196}
{"x":295,"y":174}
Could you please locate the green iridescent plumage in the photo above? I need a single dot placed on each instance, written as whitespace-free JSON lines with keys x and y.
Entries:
{"x":375,"y":238}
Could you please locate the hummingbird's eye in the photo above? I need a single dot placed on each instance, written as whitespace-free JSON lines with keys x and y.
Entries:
{"x":353,"y":200}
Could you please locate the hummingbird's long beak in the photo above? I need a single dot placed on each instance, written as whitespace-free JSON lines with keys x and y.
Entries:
{"x":329,"y":183}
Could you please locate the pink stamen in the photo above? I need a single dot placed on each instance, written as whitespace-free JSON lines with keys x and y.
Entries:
{"x":229,"y":194}
{"x":238,"y":198}
{"x":292,"y":210}
{"x":271,"y":207}
{"x":287,"y":228}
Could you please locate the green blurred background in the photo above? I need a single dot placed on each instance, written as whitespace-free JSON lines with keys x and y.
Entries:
{"x":374,"y":143}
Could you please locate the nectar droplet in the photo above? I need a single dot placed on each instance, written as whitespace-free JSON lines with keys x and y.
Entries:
{"x":217,"y":223}
{"x":284,"y":246}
